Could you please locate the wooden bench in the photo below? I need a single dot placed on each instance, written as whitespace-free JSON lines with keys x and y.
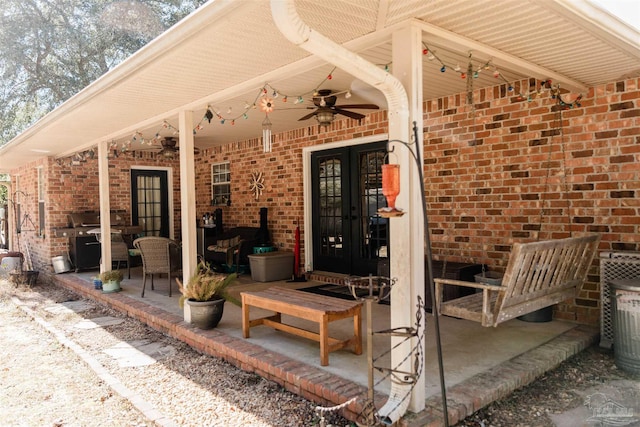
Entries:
{"x":539,"y":274}
{"x":304,"y":305}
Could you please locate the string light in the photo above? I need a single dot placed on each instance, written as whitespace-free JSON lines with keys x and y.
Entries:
{"x":210,"y":111}
{"x":475,"y":70}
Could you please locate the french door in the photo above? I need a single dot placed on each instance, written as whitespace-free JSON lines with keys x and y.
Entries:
{"x":348,"y":235}
{"x":150,"y":201}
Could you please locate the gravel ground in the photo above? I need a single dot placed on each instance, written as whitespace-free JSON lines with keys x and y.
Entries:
{"x":565,"y":390}
{"x":44,"y":383}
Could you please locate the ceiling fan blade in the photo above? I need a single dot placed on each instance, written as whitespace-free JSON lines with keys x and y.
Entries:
{"x":351,"y":114}
{"x":307,"y":117}
{"x":360,"y":106}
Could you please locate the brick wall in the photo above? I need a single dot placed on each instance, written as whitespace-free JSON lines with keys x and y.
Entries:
{"x":73,"y":187}
{"x":282,"y":172}
{"x":515,"y":174}
{"x":512,"y":174}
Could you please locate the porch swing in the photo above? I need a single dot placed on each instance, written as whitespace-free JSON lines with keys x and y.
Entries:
{"x":539,"y":274}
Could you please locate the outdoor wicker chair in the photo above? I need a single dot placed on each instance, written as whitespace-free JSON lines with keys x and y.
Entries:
{"x":160,"y":255}
{"x":119,"y":249}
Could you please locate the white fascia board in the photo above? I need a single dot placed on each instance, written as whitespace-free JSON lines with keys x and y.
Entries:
{"x":599,"y":22}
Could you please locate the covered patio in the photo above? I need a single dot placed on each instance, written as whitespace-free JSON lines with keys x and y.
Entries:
{"x":522,"y":127}
{"x":481,"y":364}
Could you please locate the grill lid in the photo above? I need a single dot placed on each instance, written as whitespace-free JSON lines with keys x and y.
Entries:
{"x":91,"y":219}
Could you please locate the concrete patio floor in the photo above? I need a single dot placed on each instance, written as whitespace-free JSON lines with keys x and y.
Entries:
{"x":481,"y":364}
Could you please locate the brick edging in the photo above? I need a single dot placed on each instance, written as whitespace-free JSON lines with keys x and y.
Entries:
{"x":469,"y":396}
{"x":310,"y":382}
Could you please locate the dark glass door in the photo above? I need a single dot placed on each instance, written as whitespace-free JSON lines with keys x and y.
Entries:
{"x":349,"y":237}
{"x":150,"y":201}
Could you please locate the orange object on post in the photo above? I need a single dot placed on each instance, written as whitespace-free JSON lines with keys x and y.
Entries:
{"x":391,"y":183}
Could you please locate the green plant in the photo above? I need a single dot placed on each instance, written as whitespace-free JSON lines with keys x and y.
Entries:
{"x":111,"y":275}
{"x":206,"y":285}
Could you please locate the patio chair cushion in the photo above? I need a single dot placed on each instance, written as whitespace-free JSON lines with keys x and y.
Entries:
{"x":241,"y":241}
{"x":224,"y":244}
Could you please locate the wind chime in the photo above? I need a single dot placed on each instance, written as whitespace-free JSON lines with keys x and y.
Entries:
{"x":266,"y":105}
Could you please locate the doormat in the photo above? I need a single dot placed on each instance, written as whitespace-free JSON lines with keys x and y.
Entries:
{"x":338,"y":291}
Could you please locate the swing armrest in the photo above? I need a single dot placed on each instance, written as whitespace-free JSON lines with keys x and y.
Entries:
{"x":476,"y":285}
{"x":485,"y":317}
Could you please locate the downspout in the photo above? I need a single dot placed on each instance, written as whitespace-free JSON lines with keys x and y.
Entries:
{"x":299,"y":33}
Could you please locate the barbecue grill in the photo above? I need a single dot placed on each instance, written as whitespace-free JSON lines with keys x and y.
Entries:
{"x":84,"y":247}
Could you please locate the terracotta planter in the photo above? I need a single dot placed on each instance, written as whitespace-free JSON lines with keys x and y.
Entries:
{"x":206,"y":314}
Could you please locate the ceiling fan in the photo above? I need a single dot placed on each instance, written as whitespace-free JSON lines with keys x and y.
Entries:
{"x":170,"y":147}
{"x":326,"y":108}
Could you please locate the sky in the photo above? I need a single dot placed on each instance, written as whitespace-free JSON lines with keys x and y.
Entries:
{"x":625,"y":10}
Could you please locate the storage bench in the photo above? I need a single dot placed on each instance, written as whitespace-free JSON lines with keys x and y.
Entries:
{"x":271,"y":266}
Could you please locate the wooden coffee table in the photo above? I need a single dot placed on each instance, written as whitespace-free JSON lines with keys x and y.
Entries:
{"x":304,"y":305}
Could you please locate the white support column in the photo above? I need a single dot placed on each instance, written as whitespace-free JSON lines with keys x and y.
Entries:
{"x":407,"y":232}
{"x":105,"y":206}
{"x":187,"y":199}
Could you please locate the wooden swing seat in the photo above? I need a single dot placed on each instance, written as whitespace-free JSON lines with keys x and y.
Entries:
{"x":539,"y":274}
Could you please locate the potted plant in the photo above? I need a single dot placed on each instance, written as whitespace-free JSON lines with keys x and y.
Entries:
{"x":111,"y":280}
{"x":205,"y":293}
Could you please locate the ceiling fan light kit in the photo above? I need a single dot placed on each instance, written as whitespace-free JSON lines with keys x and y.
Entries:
{"x":325,"y":117}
